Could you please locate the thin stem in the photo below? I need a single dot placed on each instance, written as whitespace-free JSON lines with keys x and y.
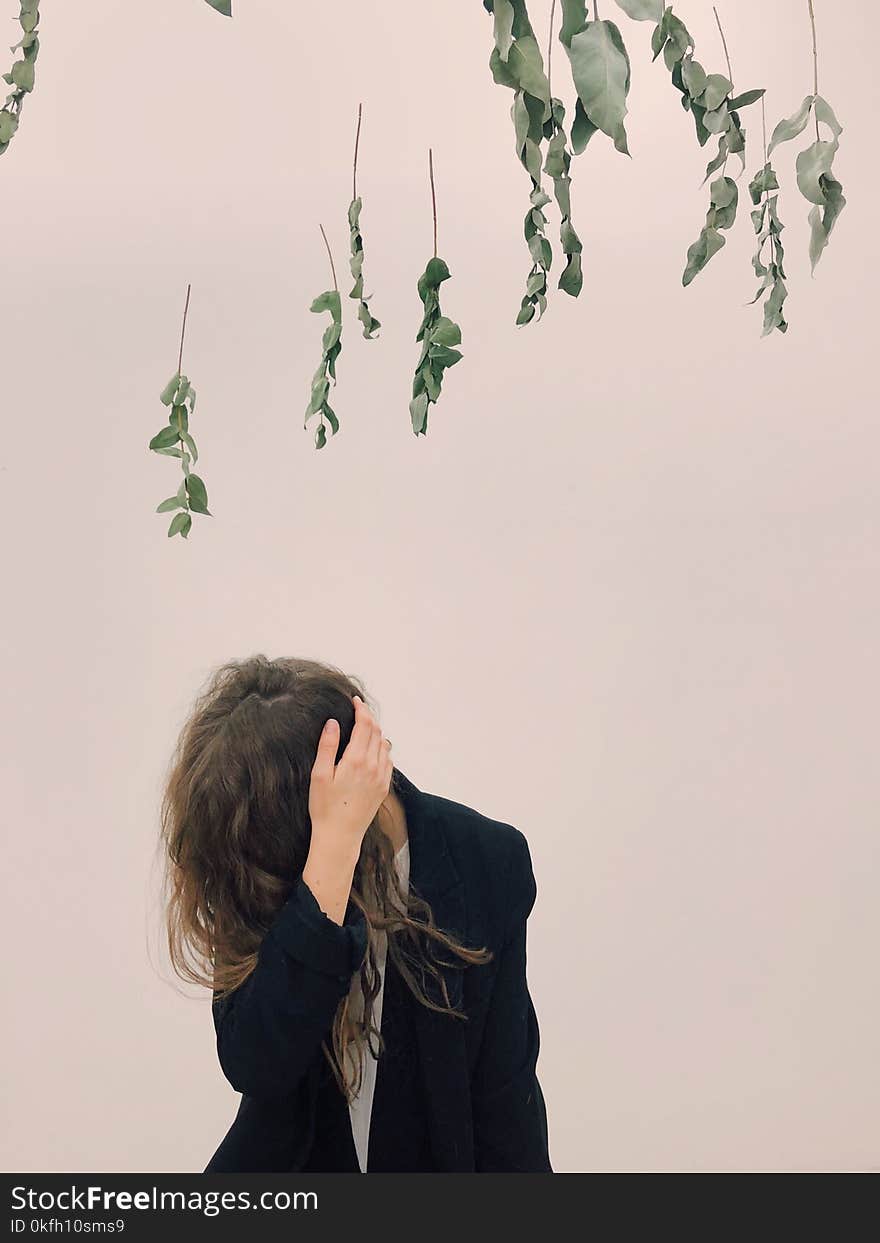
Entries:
{"x":550,"y":52}
{"x":596,"y":9}
{"x":330,"y":257}
{"x":724,"y":44}
{"x":815,"y":59}
{"x":433,"y":196}
{"x":764,"y":130}
{"x":357,"y":143}
{"x":183,"y":331}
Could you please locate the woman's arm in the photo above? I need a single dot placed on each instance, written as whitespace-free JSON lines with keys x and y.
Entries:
{"x":271,"y":1027}
{"x":510,"y":1117}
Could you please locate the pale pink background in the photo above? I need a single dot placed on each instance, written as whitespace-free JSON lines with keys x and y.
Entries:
{"x":624,"y":595}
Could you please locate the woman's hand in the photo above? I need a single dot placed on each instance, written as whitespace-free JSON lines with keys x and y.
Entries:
{"x":343,"y":800}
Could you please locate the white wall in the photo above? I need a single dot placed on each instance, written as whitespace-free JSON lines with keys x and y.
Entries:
{"x":624,"y":595}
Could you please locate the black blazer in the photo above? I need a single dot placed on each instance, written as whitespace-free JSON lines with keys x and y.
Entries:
{"x":485,"y":1107}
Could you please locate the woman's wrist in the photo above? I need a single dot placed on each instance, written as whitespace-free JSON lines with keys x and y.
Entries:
{"x":329,"y":871}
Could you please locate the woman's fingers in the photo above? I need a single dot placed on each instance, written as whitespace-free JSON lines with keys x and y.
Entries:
{"x":361,"y":736}
{"x":328,"y":744}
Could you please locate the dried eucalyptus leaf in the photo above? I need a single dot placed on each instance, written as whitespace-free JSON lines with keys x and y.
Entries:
{"x":371,"y":325}
{"x":165,"y":438}
{"x":791,"y":126}
{"x":601,"y":70}
{"x":503,"y":12}
{"x":198,"y":495}
{"x":700,"y":252}
{"x":438,"y":334}
{"x":716,"y":90}
{"x":812,"y":165}
{"x":642,"y":10}
{"x":823,"y":218}
{"x":331,"y":347}
{"x":825,"y":115}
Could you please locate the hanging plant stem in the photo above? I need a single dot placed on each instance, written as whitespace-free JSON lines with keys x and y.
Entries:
{"x":21,"y":75}
{"x":557,"y":165}
{"x":175,"y":440}
{"x":438,"y":334}
{"x":768,"y":228}
{"x":815,"y":176}
{"x":516,"y":63}
{"x":331,"y":348}
{"x":709,"y":99}
{"x":356,"y":261}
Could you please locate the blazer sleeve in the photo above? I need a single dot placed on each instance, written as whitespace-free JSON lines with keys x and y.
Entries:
{"x":270,"y":1028}
{"x":510,"y":1116}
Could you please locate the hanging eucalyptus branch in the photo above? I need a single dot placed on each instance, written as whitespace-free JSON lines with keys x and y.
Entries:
{"x":175,"y":440}
{"x":222,"y":6}
{"x":557,"y":165}
{"x":331,"y":348}
{"x":21,"y":75}
{"x":709,"y":99}
{"x":438,"y":334}
{"x":815,"y":177}
{"x":601,"y":71}
{"x":516,"y":62}
{"x":768,"y":228}
{"x":356,"y":262}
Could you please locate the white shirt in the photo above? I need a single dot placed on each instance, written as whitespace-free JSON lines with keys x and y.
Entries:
{"x":361,"y":1107}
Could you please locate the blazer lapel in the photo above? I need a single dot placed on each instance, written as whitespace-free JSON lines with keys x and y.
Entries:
{"x":442,"y":1048}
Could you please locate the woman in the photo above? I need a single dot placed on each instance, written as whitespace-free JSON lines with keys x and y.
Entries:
{"x":365,"y":941}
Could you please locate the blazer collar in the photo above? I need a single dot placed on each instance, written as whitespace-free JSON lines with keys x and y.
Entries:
{"x":432,"y":872}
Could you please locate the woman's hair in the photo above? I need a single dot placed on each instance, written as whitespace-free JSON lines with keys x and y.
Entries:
{"x":236,"y":833}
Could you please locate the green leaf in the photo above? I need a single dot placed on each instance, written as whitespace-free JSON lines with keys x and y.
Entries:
{"x":222,"y":6}
{"x":418,"y":409}
{"x":198,"y":495}
{"x":23,"y":75}
{"x":574,"y":18}
{"x":762,"y":183}
{"x":571,"y":280}
{"x":707,"y":244}
{"x":169,"y":391}
{"x":792,"y":126}
{"x":165,"y":438}
{"x":328,"y":301}
{"x":527,"y":68}
{"x":812,"y":165}
{"x":445,"y":332}
{"x":822,"y":219}
{"x":503,"y":13}
{"x":716,"y":122}
{"x":331,"y":335}
{"x":694,"y":76}
{"x":716,"y":90}
{"x":642,"y":10}
{"x":825,"y":115}
{"x":173,"y":452}
{"x":435,"y":273}
{"x":582,"y":129}
{"x":173,"y":502}
{"x":743,"y":101}
{"x":369,"y":321}
{"x":601,"y":71}
{"x":180,"y":524}
{"x":442,"y":356}
{"x":8,"y":125}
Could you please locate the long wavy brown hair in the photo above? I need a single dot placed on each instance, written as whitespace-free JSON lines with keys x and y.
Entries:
{"x":236,"y":833}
